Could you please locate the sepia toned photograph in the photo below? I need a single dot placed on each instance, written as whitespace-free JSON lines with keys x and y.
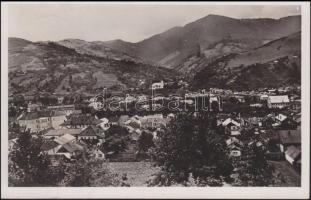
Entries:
{"x":155,"y":96}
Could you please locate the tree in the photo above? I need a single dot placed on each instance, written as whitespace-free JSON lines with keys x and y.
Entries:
{"x":145,"y":141}
{"x":28,"y":166}
{"x":87,"y":172}
{"x":254,"y":170}
{"x":189,"y":146}
{"x":116,"y":139}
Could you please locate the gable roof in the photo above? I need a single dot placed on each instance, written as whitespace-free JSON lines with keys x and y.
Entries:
{"x":228,"y":121}
{"x":80,"y":119}
{"x":290,"y":136}
{"x":60,"y":132}
{"x":293,"y":152}
{"x":92,"y":131}
{"x":279,"y":99}
{"x":70,"y":147}
{"x":65,"y":139}
{"x":281,"y":117}
{"x":48,"y":145}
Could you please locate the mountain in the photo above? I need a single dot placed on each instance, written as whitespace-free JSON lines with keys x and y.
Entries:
{"x":214,"y":51}
{"x":116,"y":49}
{"x":50,"y":67}
{"x":273,"y":64}
{"x":171,"y":47}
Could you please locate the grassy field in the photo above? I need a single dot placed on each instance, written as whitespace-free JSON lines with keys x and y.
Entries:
{"x":138,"y":173}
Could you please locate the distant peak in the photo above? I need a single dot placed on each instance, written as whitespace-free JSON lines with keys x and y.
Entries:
{"x":72,"y":40}
{"x":214,"y":17}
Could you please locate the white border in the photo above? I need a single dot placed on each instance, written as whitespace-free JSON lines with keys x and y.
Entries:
{"x":163,"y":192}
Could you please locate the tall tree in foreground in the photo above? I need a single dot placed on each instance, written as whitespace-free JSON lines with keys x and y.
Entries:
{"x":27,"y":165}
{"x":255,"y":170}
{"x":188,"y":148}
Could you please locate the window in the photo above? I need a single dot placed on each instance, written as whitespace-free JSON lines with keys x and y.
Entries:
{"x":99,"y":155}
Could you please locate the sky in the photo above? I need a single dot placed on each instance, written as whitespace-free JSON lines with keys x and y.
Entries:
{"x":133,"y":23}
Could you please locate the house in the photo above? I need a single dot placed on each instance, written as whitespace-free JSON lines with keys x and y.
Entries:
{"x":284,"y":122}
{"x":295,"y":104}
{"x":293,"y":154}
{"x":251,"y":121}
{"x":153,"y":121}
{"x":278,"y":101}
{"x":134,"y":122}
{"x":240,"y":99}
{"x":92,"y":133}
{"x":54,"y":133}
{"x":158,"y":85}
{"x":235,"y":151}
{"x":66,"y":109}
{"x":105,"y":125}
{"x":50,"y":147}
{"x":41,"y":120}
{"x":123,"y":119}
{"x":65,"y":139}
{"x":70,"y":149}
{"x":60,"y":100}
{"x":57,"y":118}
{"x":280,"y":118}
{"x":31,"y":107}
{"x":263,"y":97}
{"x":65,"y":145}
{"x":80,"y":121}
{"x":234,"y":146}
{"x":232,"y":127}
{"x":98,"y":154}
{"x":272,"y":91}
{"x":288,"y":138}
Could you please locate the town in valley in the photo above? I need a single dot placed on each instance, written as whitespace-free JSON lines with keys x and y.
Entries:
{"x":216,"y":102}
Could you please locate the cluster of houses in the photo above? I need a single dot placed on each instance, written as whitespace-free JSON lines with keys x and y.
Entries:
{"x":68,"y":132}
{"x":282,"y":131}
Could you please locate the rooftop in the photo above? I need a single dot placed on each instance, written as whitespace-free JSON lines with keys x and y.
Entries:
{"x":40,"y":114}
{"x":279,"y":99}
{"x":59,"y":132}
{"x":293,"y":152}
{"x":65,"y":139}
{"x":81,"y":119}
{"x":290,"y":136}
{"x":92,"y":131}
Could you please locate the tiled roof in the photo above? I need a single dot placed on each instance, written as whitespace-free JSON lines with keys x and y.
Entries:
{"x":59,"y":132}
{"x":81,"y":119}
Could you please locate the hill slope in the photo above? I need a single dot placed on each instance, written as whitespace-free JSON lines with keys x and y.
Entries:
{"x":50,"y":67}
{"x":171,"y":47}
{"x":273,"y":64}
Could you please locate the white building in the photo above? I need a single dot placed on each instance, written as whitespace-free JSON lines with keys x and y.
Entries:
{"x":159,"y":85}
{"x":232,"y":127}
{"x":278,"y":101}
